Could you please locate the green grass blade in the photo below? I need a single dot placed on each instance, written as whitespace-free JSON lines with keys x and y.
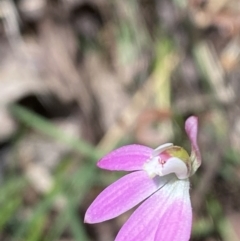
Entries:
{"x":37,"y":122}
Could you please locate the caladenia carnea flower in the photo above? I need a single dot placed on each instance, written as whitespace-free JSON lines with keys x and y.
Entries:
{"x":160,"y":181}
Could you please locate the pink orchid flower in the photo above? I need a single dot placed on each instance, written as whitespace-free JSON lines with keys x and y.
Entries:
{"x":159,"y":181}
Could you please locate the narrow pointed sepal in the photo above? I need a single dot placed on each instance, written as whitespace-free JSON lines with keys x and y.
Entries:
{"x":191,"y":127}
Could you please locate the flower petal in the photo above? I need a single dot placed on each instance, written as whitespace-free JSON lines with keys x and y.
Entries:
{"x":143,"y":223}
{"x":191,"y":127}
{"x":121,"y":196}
{"x":126,"y":158}
{"x":176,"y":223}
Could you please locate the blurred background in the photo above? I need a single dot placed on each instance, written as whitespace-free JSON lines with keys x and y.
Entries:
{"x":79,"y":78}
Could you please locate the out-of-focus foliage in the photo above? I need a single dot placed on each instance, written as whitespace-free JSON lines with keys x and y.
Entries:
{"x":81,"y":77}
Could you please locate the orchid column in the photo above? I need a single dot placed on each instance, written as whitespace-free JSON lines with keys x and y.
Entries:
{"x":159,"y":180}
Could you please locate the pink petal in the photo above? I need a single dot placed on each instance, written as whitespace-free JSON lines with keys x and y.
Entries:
{"x":191,"y":127}
{"x":176,"y":223}
{"x":126,"y":158}
{"x":143,"y":223}
{"x":122,"y":196}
